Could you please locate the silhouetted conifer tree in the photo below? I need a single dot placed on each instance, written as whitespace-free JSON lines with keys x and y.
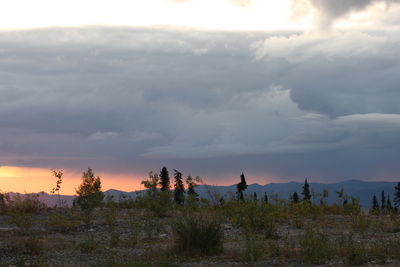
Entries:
{"x":179,"y":193}
{"x":383,"y":201}
{"x":389,"y":206}
{"x":306,"y":192}
{"x":164,"y":179}
{"x":397,"y":196}
{"x":295,"y":197}
{"x":242,"y":186}
{"x":255,"y":197}
{"x":375,"y":205}
{"x":265,"y":198}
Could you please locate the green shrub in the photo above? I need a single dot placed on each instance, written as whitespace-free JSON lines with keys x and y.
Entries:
{"x":198,"y":235}
{"x":63,"y":221}
{"x":157,"y":202}
{"x":253,"y":250}
{"x":354,"y":253}
{"x":111,"y":221}
{"x":253,"y":218}
{"x":361,"y":223}
{"x":315,"y":247}
{"x":89,"y":245}
{"x":24,"y":221}
{"x":28,"y":203}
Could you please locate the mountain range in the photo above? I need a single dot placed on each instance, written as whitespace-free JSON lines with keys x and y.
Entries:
{"x":363,"y":190}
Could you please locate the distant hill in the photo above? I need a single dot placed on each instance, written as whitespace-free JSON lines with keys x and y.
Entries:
{"x":362,"y":190}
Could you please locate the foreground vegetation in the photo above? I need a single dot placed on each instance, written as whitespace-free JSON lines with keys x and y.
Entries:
{"x":173,"y":227}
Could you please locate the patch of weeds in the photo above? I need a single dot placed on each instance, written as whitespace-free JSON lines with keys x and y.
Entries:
{"x":198,"y":235}
{"x":315,"y":247}
{"x":361,"y":223}
{"x":253,"y":250}
{"x":21,"y":219}
{"x":353,"y":253}
{"x":63,"y":221}
{"x":89,"y":246}
{"x":111,"y":222}
{"x":152,"y":226}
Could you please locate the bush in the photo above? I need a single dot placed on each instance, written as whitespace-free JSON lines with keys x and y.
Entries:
{"x":354,"y":253}
{"x":252,"y":218}
{"x":24,"y":221}
{"x":253,"y":250}
{"x":28,"y":203}
{"x":157,"y":202}
{"x":315,"y":247}
{"x":64,"y":222}
{"x":198,"y":235}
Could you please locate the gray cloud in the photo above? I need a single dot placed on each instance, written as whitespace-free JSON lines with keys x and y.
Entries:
{"x":136,"y":99}
{"x":329,"y":11}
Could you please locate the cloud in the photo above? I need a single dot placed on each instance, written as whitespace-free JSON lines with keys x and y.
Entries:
{"x":328,"y":12}
{"x":179,"y":1}
{"x":242,"y":3}
{"x":239,"y":3}
{"x":81,"y":97}
{"x":98,"y":136}
{"x":330,"y":46}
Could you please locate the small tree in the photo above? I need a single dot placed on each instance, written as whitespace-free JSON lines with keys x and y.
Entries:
{"x":151,"y":184}
{"x":242,"y":186}
{"x":179,"y":193}
{"x":56,"y":189}
{"x":89,"y":192}
{"x":265,"y":198}
{"x":306,"y":192}
{"x":375,"y":205}
{"x":383,"y":201}
{"x":295,"y":197}
{"x":164,"y":179}
{"x":191,"y":184}
{"x":389,"y":206}
{"x":255,"y":198}
{"x":397,"y":196}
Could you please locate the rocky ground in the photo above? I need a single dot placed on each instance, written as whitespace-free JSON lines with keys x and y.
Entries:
{"x":134,"y":237}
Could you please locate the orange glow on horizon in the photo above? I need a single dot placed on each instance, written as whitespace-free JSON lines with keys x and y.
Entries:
{"x":34,"y":180}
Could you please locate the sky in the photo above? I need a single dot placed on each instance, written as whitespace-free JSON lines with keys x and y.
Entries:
{"x":279,"y":90}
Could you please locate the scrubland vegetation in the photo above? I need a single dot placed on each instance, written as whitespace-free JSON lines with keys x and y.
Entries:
{"x":171,"y":226}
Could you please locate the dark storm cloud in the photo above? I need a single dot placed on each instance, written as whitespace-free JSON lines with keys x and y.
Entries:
{"x":136,"y":99}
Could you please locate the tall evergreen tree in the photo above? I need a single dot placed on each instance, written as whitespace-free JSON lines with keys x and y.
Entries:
{"x":375,"y":205}
{"x":389,"y":205}
{"x":295,"y":197}
{"x":306,"y":192}
{"x":255,"y":197}
{"x":242,"y":186}
{"x":383,"y":201}
{"x":179,"y":193}
{"x":397,"y":196}
{"x":164,"y":179}
{"x":265,"y":198}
